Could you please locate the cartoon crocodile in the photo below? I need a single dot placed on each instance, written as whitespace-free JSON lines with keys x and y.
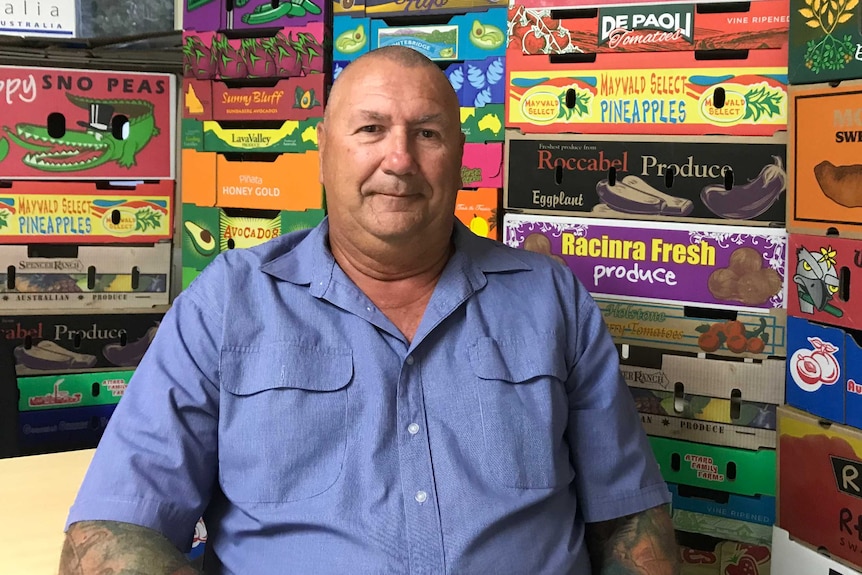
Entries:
{"x":78,"y":150}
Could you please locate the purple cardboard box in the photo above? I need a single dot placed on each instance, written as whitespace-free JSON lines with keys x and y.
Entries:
{"x":722,"y":267}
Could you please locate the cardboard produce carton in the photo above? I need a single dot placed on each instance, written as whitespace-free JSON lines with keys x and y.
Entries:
{"x":694,"y":329}
{"x":209,"y":231}
{"x":63,"y":429}
{"x":825,"y":149}
{"x":254,"y":180}
{"x":715,"y":401}
{"x":211,"y":15}
{"x":478,"y":210}
{"x":72,"y":390}
{"x":289,"y":136}
{"x":86,"y":212}
{"x":823,"y":279}
{"x":274,"y":53}
{"x":825,"y":41}
{"x":759,"y":509}
{"x":721,"y":468}
{"x":819,"y":493}
{"x":648,"y":28}
{"x":75,"y":341}
{"x":716,"y":266}
{"x":413,"y":8}
{"x":482,"y":165}
{"x":299,"y":98}
{"x":484,"y":124}
{"x":707,"y":179}
{"x":472,"y":36}
{"x":722,"y":527}
{"x":638,"y":93}
{"x":63,"y":124}
{"x":91,"y":277}
{"x":794,"y":557}
{"x":824,"y":371}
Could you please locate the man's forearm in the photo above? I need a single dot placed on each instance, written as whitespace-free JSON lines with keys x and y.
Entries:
{"x":93,"y":547}
{"x":639,"y":544}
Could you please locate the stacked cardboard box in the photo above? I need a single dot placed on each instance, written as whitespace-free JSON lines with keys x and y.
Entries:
{"x":86,"y":220}
{"x":467,"y":38}
{"x":655,"y":139}
{"x":819,"y":436}
{"x":256,"y":79}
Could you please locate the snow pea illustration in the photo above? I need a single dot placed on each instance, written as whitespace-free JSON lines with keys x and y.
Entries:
{"x":351,"y":41}
{"x":4,"y":148}
{"x":486,"y":37}
{"x":266,"y":13}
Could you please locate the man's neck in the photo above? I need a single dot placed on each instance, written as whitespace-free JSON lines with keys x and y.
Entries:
{"x":399,"y":284}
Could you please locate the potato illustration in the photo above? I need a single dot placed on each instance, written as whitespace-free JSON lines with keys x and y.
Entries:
{"x":745,"y":260}
{"x":745,"y":279}
{"x":722,"y":283}
{"x":537,"y":243}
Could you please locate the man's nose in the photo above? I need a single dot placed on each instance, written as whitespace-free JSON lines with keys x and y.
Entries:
{"x":399,"y":159}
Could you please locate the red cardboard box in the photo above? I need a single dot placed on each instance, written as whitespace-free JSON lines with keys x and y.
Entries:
{"x":819,"y":492}
{"x":298,"y":98}
{"x":825,"y":274}
{"x":61,"y":124}
{"x":649,"y":28}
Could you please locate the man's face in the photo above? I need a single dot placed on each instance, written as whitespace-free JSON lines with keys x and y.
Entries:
{"x":391,"y":152}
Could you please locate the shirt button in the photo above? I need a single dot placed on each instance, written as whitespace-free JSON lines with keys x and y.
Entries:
{"x":368,"y":308}
{"x":413,"y":428}
{"x":421,"y":496}
{"x":409,"y":360}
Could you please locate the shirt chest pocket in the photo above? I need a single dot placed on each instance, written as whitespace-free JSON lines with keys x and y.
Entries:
{"x":282,"y":421}
{"x":524,"y":409}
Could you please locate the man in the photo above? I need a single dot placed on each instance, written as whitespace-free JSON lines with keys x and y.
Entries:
{"x":384,"y":394}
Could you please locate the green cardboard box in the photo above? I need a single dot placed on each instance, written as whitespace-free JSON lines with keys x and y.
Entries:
{"x":825,"y":41}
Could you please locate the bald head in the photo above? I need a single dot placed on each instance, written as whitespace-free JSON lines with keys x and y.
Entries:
{"x":404,"y":57}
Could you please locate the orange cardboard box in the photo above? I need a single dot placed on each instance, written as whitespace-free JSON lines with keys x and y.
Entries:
{"x":477,"y":209}
{"x":825,"y":159}
{"x":258,"y":181}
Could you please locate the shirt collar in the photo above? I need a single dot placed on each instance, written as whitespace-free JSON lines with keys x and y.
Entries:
{"x":310,"y":262}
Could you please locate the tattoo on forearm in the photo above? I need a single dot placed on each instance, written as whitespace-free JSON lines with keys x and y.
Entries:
{"x":114,"y":548}
{"x":639,"y":544}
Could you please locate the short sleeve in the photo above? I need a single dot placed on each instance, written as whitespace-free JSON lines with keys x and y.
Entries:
{"x":157,"y":461}
{"x":616,"y":473}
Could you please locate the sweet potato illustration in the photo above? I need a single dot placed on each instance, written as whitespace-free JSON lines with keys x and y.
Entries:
{"x":841,"y":184}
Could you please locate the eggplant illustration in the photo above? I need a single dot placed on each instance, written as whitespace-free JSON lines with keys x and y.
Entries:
{"x":747,"y":201}
{"x":632,"y":195}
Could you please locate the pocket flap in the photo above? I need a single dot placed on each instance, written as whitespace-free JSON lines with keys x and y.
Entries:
{"x":246,"y":371}
{"x":519,"y":359}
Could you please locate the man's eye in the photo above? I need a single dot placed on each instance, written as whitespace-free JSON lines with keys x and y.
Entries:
{"x":428,"y":133}
{"x":369,"y":129}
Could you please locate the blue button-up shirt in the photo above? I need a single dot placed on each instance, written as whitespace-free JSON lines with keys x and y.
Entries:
{"x":278,"y":401}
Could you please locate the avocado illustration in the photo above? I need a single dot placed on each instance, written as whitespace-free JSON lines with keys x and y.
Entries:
{"x":485,"y":36}
{"x":202,"y":240}
{"x":447,"y":52}
{"x":305,"y":99}
{"x":351,"y":41}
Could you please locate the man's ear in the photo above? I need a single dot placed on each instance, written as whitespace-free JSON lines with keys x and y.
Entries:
{"x":321,"y":144}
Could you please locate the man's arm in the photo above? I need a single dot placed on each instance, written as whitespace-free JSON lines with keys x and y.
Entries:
{"x":639,"y":544}
{"x":98,"y":547}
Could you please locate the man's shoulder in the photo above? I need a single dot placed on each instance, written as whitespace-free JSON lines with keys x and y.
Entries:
{"x":251,"y":259}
